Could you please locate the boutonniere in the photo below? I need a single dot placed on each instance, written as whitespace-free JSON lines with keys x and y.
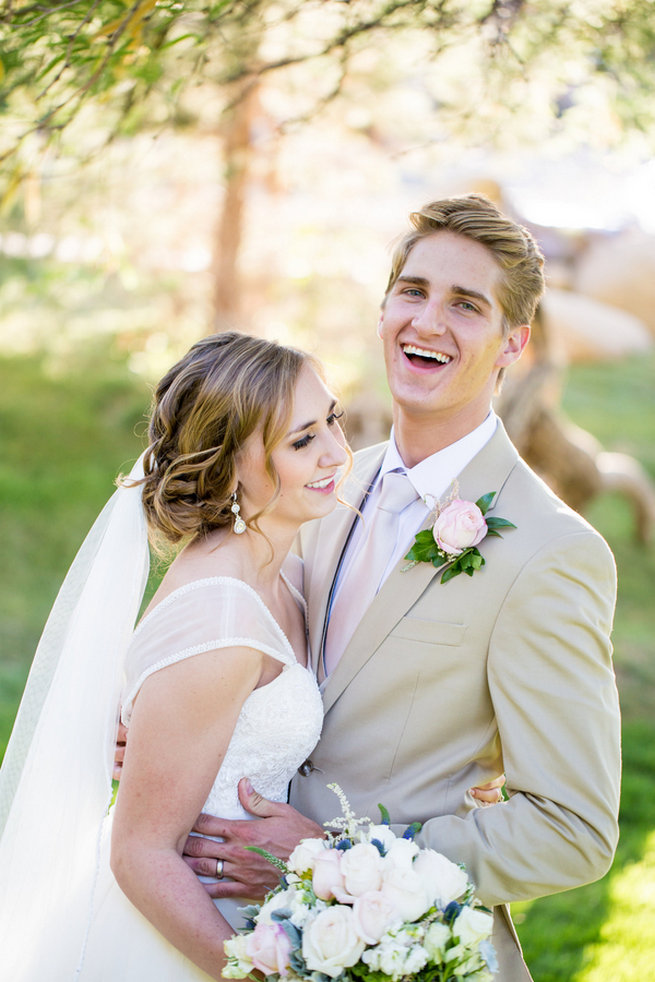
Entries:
{"x":459,"y":527}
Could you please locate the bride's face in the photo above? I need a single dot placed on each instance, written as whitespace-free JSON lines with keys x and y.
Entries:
{"x":306,"y":460}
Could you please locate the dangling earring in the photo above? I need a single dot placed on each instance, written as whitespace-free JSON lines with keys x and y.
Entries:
{"x":239,"y":526}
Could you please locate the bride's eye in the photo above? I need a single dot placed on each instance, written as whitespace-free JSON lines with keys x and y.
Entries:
{"x":334,"y":417}
{"x":303,"y":442}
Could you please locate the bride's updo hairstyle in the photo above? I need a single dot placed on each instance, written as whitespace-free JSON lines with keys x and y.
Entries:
{"x":204,"y":409}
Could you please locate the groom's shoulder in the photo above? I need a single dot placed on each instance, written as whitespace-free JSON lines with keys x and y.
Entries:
{"x":538,"y":506}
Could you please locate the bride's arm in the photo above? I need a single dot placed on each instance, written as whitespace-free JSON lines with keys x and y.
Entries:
{"x":181,"y":725}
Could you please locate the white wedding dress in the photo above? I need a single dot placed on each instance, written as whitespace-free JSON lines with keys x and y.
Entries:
{"x":278,"y":726}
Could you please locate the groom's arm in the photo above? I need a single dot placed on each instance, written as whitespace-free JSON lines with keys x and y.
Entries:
{"x":279,"y":830}
{"x":552,"y":684}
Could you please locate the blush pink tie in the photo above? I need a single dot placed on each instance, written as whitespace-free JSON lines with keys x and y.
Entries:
{"x":363,"y":578}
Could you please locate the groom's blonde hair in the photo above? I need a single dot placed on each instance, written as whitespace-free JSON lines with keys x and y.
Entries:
{"x":512,"y":246}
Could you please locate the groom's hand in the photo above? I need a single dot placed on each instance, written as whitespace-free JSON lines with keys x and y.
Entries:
{"x":278,"y":830}
{"x":119,"y":751}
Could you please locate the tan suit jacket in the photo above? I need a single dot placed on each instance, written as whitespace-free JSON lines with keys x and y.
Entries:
{"x":444,"y":686}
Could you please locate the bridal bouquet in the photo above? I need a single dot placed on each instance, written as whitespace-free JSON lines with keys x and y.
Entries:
{"x":363,"y":904}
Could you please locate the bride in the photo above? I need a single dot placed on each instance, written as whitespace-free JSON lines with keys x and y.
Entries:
{"x":244,"y":446}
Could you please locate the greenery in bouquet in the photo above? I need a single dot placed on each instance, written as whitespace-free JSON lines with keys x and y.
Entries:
{"x":365,"y":904}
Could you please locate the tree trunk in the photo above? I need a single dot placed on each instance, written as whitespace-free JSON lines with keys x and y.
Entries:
{"x":237,"y":154}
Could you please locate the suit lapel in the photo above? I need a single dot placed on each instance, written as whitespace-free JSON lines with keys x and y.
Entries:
{"x":488,"y":471}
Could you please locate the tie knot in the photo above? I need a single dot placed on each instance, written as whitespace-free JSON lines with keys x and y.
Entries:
{"x":396,"y":493}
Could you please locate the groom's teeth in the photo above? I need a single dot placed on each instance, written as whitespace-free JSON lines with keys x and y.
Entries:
{"x":321,"y":484}
{"x":411,"y":349}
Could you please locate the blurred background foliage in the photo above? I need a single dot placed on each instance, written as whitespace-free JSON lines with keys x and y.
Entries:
{"x":168,"y":169}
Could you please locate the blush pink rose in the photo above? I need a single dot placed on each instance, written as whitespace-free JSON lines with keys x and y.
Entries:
{"x":458,"y":527}
{"x":374,"y":915}
{"x":327,"y":878}
{"x":268,"y":948}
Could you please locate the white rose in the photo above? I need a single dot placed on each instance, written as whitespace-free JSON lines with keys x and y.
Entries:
{"x":330,"y":942}
{"x":374,"y":915}
{"x":277,"y":902}
{"x":405,"y":889}
{"x":472,"y":926}
{"x":383,"y":834}
{"x":435,"y":941}
{"x":443,"y":880}
{"x":401,"y":853}
{"x":304,"y":855}
{"x":361,"y":868}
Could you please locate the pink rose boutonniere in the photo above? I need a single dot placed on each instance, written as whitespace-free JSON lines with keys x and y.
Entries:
{"x":459,"y":527}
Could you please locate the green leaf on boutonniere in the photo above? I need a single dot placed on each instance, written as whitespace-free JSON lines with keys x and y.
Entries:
{"x":493,"y":524}
{"x":499,"y":523}
{"x":468,"y":562}
{"x":425,"y":549}
{"x":484,"y":502}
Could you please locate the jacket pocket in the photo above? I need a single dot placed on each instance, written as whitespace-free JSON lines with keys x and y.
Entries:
{"x":431,"y":632}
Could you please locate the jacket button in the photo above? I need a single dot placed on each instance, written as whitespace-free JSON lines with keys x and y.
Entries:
{"x":306,"y":768}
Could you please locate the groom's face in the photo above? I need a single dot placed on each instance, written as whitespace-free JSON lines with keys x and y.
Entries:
{"x":442,"y":331}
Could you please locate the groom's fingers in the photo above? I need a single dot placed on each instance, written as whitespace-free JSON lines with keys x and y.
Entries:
{"x":119,"y":752}
{"x":490,"y":793}
{"x":277,"y":831}
{"x":284,"y":826}
{"x":244,"y":873}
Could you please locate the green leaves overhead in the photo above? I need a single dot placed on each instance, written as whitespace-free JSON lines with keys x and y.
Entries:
{"x":500,"y":56}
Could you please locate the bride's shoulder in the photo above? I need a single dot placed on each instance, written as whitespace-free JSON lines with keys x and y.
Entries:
{"x":192,"y":569}
{"x":196,"y":591}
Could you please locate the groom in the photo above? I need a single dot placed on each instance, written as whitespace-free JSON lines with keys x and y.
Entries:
{"x":432,"y":687}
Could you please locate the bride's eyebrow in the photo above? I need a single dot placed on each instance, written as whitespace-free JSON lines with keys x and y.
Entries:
{"x":312,"y":422}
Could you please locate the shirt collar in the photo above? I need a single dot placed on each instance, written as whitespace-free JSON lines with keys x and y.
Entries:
{"x":433,"y":476}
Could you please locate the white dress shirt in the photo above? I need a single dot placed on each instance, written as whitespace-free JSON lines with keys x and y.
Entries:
{"x":431,"y":478}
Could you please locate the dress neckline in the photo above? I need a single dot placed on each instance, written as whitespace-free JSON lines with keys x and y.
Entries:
{"x":215,"y":580}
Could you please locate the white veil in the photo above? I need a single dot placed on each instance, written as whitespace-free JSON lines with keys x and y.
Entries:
{"x":55,"y":782}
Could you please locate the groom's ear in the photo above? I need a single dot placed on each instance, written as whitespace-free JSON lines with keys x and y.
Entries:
{"x":513,"y":345}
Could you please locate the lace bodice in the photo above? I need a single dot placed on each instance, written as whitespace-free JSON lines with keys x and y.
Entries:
{"x":279,"y":723}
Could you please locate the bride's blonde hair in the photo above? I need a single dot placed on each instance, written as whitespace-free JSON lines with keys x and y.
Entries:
{"x":204,"y":409}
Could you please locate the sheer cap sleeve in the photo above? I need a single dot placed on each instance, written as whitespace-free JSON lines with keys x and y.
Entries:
{"x":217,"y":612}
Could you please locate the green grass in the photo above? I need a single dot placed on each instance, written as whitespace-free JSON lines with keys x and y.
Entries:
{"x":66,"y":435}
{"x":604,"y":932}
